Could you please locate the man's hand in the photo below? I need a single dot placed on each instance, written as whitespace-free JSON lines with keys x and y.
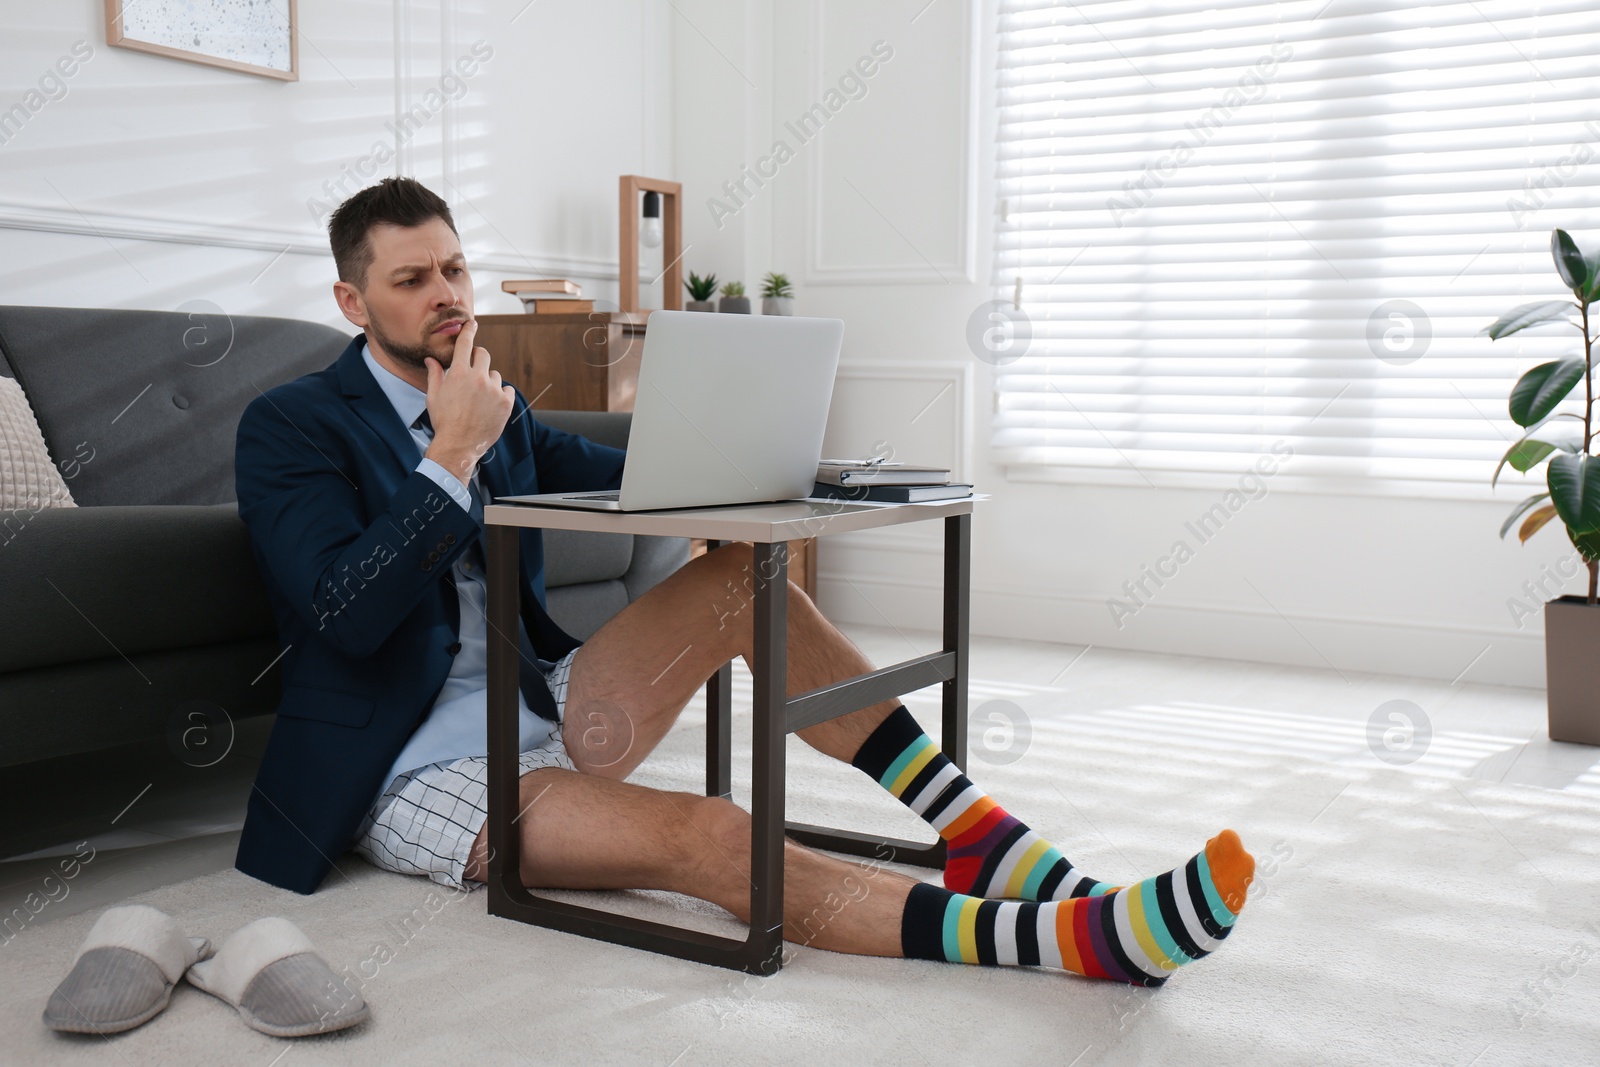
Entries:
{"x":468,"y":405}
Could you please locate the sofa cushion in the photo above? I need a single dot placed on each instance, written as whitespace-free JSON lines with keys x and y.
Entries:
{"x":84,"y":583}
{"x":608,"y":428}
{"x":80,"y":707}
{"x":153,"y":396}
{"x":572,"y":558}
{"x":28,"y":478}
{"x":582,"y":609}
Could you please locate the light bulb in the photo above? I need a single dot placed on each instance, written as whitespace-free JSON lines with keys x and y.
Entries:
{"x":650,"y":231}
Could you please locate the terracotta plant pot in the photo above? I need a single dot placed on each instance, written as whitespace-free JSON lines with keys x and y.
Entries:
{"x":1571,"y":643}
{"x":736,"y":305}
{"x":777,"y":305}
{"x":700,"y":305}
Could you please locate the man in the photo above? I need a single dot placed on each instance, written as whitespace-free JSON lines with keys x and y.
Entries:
{"x":362,"y":486}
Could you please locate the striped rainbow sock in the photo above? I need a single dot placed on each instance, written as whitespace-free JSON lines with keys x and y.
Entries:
{"x":989,"y":853}
{"x":1138,"y":934}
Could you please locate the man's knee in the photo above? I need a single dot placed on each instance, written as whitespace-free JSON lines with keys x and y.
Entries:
{"x":531,"y":785}
{"x":712,"y":835}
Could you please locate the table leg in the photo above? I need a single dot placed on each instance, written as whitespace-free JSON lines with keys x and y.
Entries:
{"x":953,"y":729}
{"x":501,"y":551}
{"x":957,"y":620}
{"x":770,"y":671}
{"x":719,"y":725}
{"x":761,"y":951}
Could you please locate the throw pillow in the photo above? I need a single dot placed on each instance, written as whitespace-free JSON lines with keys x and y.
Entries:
{"x":28,"y":478}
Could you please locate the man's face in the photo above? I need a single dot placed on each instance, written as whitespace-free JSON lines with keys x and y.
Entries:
{"x":417,"y":296}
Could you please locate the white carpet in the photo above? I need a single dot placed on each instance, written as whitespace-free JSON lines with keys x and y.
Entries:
{"x":1397,"y":918}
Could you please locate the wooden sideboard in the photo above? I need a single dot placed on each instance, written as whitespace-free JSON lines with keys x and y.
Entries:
{"x":586,"y":362}
{"x":590,"y":362}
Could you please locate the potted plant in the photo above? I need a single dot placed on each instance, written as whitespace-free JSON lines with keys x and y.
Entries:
{"x":733,"y":299}
{"x":701,"y":290}
{"x":777,"y":298}
{"x":1571,"y":623}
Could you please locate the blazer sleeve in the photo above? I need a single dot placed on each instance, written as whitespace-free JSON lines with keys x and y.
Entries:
{"x":351,"y":580}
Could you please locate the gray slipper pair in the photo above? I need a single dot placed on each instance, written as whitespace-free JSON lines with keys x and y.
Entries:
{"x":133,"y":956}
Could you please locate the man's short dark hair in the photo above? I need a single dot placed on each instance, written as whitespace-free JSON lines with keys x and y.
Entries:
{"x":397,"y":201}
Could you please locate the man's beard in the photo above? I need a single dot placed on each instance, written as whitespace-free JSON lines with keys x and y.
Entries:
{"x":412,"y":355}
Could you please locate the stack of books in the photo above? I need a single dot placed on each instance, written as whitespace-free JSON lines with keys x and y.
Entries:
{"x":882,"y":482}
{"x":549,"y":296}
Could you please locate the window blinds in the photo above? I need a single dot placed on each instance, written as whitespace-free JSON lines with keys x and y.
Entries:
{"x":1284,"y":224}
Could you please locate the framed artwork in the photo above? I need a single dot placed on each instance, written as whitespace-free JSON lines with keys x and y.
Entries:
{"x":256,"y":37}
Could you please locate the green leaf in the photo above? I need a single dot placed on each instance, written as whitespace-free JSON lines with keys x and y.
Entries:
{"x":1536,"y":522}
{"x":1542,"y":388}
{"x":1540,"y":442}
{"x":1570,"y":263}
{"x":1522,"y":456}
{"x":701,"y":288}
{"x":1535,"y":314}
{"x":1588,"y":545}
{"x":1591,"y":292}
{"x":1518,"y":511}
{"x":1575,"y":491}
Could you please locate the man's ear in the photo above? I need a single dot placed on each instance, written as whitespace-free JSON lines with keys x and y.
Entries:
{"x":350,"y":303}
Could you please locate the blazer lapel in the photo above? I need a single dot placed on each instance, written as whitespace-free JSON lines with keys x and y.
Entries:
{"x":362,"y":392}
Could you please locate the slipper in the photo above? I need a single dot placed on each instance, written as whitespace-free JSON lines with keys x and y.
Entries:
{"x":272,"y":973}
{"x":124,"y":972}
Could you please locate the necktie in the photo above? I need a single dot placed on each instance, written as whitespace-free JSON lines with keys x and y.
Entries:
{"x":474,"y":553}
{"x":528,"y":672}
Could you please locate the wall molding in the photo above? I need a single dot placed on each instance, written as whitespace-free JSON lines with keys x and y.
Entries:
{"x":406,"y":19}
{"x":915,"y":270}
{"x":959,"y":376}
{"x":956,"y":373}
{"x":21,"y":216}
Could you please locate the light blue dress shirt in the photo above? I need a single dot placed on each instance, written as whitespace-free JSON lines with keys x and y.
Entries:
{"x":456,"y":726}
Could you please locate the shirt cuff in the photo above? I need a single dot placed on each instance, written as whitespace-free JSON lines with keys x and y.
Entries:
{"x":448,"y":482}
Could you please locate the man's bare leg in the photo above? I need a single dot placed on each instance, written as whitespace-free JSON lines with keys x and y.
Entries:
{"x":593,"y":831}
{"x":630,"y":680}
{"x":581,"y":831}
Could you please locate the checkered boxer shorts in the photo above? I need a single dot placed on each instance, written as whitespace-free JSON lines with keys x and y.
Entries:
{"x":427,"y":819}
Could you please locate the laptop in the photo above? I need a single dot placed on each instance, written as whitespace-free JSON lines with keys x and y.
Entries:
{"x":730,"y":409}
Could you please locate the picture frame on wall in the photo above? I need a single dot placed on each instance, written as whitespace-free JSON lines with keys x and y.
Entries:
{"x":258,"y":38}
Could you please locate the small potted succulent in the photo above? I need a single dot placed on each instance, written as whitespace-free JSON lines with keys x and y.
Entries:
{"x":733,"y":299}
{"x":777,"y":298}
{"x":1571,"y":623}
{"x":701,"y":290}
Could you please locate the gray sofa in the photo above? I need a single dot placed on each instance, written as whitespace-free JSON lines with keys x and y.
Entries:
{"x":117,"y":614}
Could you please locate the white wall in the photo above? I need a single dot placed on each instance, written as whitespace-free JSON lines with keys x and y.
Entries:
{"x":155,"y":182}
{"x":885,"y":220}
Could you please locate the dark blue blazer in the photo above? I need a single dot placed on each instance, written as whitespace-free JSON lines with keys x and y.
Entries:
{"x":355,"y":548}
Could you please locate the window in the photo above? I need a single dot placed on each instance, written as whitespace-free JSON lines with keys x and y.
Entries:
{"x":1234,"y":227}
